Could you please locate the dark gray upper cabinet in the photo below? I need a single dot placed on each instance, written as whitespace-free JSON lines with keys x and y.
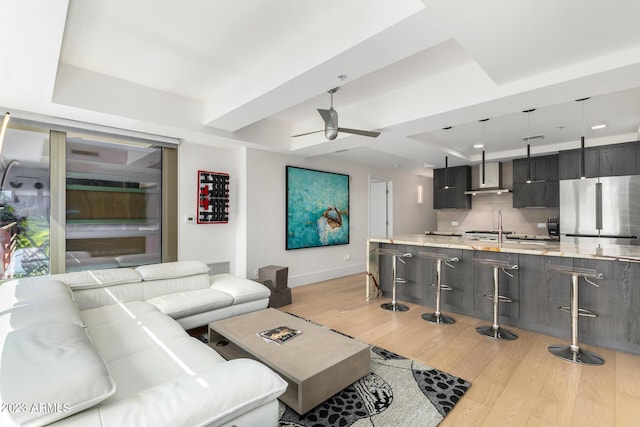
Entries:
{"x":459,"y":181}
{"x":606,"y":160}
{"x":544,"y":190}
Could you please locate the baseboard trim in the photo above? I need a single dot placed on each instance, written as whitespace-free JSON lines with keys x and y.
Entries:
{"x":319,"y":276}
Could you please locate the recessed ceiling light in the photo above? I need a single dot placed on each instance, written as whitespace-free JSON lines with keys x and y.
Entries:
{"x":600,"y":126}
{"x":478,"y":146}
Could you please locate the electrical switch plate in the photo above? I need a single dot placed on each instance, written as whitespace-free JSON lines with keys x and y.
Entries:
{"x":454,"y":223}
{"x":542,"y":225}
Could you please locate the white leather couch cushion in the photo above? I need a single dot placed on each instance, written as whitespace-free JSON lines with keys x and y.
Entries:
{"x":51,"y":310}
{"x":98,"y":278}
{"x":213,"y":396}
{"x":242,"y":290}
{"x":154,"y":288}
{"x":168,"y":270}
{"x":181,"y":304}
{"x":116,"y":312}
{"x":53,"y":370}
{"x":131,"y":334}
{"x":18,"y":291}
{"x":97,"y":297}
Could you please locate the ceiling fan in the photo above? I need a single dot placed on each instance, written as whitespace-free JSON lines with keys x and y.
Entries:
{"x":331,"y":128}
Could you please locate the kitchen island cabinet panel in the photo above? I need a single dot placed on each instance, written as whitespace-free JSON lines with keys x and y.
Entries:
{"x":627,"y":318}
{"x":483,"y":285}
{"x":542,"y":291}
{"x":537,"y":292}
{"x":460,"y":278}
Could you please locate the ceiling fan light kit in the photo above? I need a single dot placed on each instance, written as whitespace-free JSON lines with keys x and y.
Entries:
{"x":331,"y":128}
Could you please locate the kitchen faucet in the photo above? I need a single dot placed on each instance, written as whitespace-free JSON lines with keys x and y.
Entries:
{"x":500,"y":226}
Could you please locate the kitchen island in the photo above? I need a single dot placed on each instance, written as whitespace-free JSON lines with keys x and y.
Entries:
{"x":536,"y":290}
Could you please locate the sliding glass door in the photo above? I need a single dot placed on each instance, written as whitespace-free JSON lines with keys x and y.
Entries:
{"x":24,"y":202}
{"x":113,"y":204}
{"x":72,"y":200}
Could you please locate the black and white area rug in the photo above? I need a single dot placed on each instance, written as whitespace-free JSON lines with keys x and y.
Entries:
{"x":398,"y":392}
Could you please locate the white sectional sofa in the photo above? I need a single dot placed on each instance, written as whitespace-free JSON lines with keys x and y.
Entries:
{"x":108,"y":348}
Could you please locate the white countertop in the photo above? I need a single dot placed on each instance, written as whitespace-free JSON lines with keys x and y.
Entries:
{"x":533,"y":247}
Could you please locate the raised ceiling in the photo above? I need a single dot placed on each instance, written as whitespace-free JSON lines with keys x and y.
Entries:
{"x":253,"y":72}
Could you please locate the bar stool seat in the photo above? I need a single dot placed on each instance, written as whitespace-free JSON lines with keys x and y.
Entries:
{"x":495,"y":331}
{"x":573,"y":352}
{"x":395,"y":256}
{"x":437,"y":316}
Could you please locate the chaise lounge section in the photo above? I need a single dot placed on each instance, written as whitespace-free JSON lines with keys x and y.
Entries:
{"x":109,"y":348}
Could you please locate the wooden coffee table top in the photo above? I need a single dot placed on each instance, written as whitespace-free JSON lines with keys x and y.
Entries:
{"x":314,"y":350}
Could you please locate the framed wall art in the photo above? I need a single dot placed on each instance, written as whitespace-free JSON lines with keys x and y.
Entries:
{"x":213,"y":197}
{"x":317,"y":208}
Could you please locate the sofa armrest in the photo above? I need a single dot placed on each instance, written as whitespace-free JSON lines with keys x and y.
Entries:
{"x":220,"y":394}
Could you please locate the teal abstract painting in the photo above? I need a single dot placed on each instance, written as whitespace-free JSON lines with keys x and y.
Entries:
{"x":317,"y":208}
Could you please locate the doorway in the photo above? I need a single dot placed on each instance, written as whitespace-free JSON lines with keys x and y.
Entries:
{"x":380,"y":207}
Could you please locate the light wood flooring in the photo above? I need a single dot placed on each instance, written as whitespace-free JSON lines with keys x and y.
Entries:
{"x":516,"y":383}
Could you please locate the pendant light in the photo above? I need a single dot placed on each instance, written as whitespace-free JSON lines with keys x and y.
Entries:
{"x":483,"y":159}
{"x":446,"y":160}
{"x":583,"y":173}
{"x":528,"y":144}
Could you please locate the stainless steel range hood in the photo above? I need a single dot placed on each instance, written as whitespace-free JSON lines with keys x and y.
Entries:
{"x":492,"y":182}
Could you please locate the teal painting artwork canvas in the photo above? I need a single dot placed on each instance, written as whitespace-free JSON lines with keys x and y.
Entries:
{"x":317,"y":208}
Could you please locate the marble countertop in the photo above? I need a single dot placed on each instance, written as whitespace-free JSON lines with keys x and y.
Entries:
{"x":533,"y":247}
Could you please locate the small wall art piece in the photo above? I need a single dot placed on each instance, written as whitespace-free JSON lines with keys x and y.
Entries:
{"x":213,"y":197}
{"x":317,"y":208}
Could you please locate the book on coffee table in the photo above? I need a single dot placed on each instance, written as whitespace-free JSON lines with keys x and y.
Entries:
{"x":279,"y":335}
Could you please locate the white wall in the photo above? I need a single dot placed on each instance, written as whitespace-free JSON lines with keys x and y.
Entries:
{"x":266,"y":217}
{"x":255,"y":234}
{"x":209,"y":242}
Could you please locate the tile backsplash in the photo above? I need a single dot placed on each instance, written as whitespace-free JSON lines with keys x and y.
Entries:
{"x":484,"y":212}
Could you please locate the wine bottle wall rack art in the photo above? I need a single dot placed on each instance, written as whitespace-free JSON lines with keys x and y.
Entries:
{"x":213,"y":197}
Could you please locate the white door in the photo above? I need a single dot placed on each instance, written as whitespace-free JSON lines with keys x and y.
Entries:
{"x":380,"y":207}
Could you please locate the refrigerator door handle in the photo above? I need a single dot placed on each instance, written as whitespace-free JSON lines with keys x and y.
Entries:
{"x":598,"y":206}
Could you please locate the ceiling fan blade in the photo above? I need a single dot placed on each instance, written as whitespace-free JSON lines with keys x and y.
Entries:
{"x":359,"y":132}
{"x":329,"y":116}
{"x":307,"y":133}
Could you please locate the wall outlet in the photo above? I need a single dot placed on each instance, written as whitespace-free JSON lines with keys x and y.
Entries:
{"x":454,"y":223}
{"x":255,"y":273}
{"x":542,"y":225}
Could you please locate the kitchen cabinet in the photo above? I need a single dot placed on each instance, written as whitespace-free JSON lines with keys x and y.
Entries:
{"x":459,"y":181}
{"x":536,"y":290}
{"x":544,"y":190}
{"x":607,"y":160}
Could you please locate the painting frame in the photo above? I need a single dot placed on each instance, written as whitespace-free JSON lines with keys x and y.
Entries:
{"x":317,"y":208}
{"x":212,"y":198}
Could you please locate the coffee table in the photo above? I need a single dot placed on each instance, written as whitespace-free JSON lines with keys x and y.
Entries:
{"x":316,"y":364}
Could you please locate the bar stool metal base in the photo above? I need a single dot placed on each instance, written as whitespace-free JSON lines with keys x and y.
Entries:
{"x":394,"y":306}
{"x":583,"y":357}
{"x":496,"y":333}
{"x":440,"y":319}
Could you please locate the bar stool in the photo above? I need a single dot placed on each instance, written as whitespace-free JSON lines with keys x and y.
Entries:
{"x":573,"y":352}
{"x":395,"y":256}
{"x":437,"y":316}
{"x":495,"y":331}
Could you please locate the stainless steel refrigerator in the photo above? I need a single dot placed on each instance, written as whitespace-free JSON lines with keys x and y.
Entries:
{"x":601,"y":210}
